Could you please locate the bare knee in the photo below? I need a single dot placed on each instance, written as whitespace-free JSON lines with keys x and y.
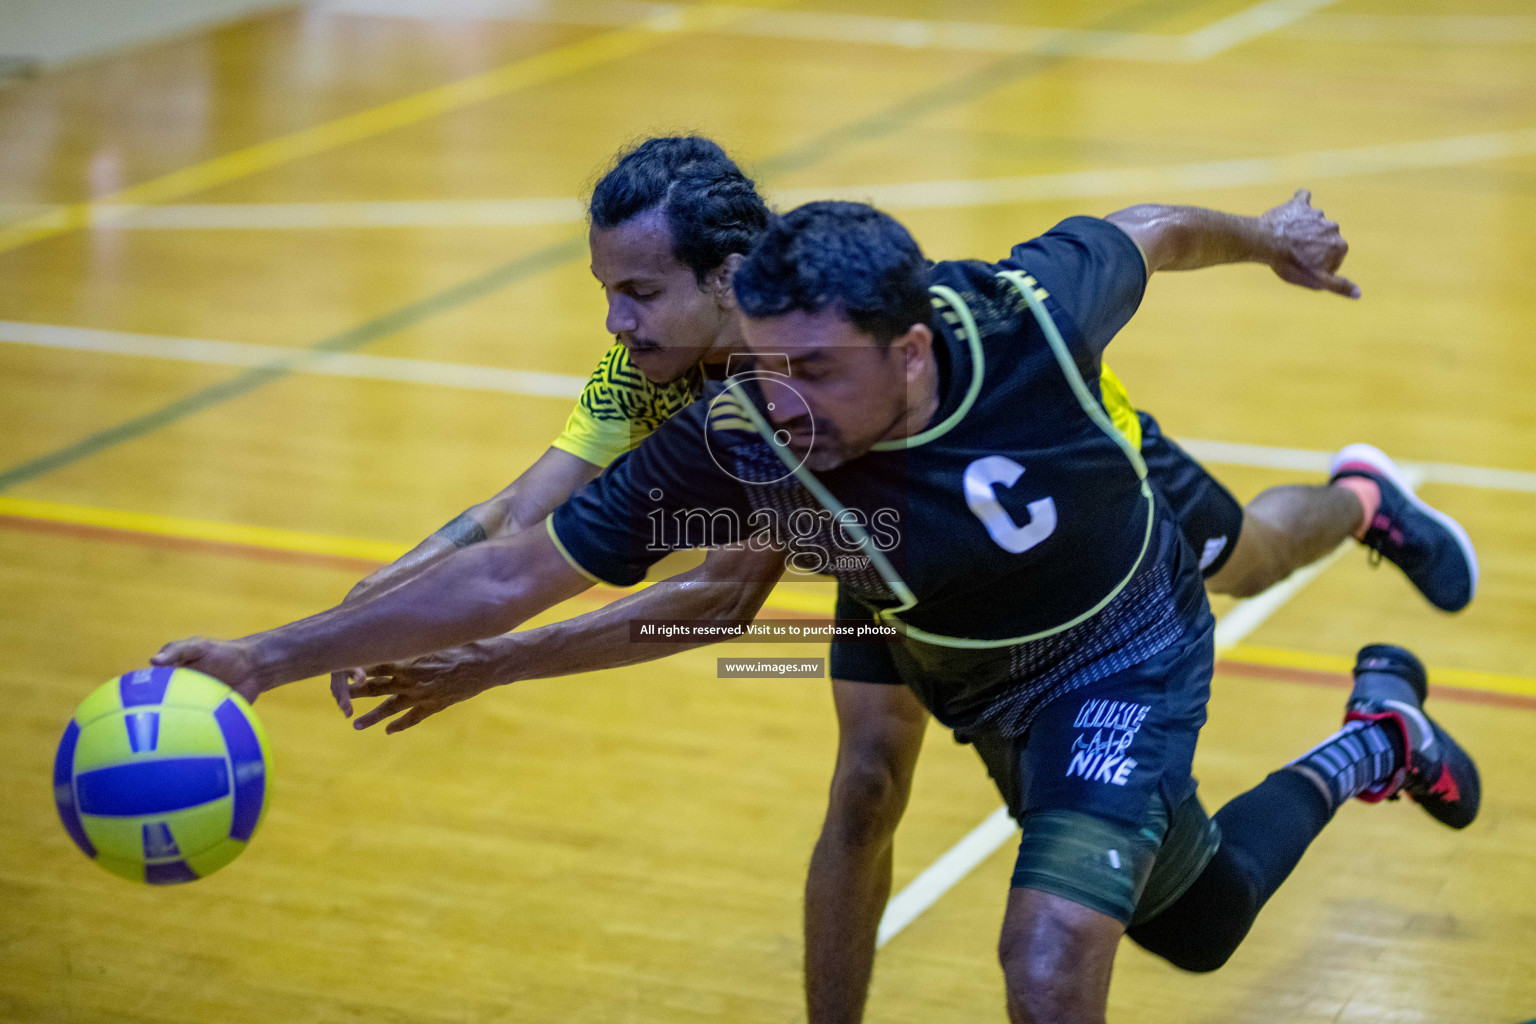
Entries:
{"x":869,"y":795}
{"x":880,"y":734}
{"x":1038,"y":990}
{"x":1056,"y":957}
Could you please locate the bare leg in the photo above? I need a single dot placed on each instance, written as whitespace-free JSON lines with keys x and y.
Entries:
{"x":880,"y":734}
{"x":1285,"y":528}
{"x":1056,"y":956}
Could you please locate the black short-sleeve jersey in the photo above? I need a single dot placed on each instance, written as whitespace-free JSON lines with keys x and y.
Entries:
{"x":1013,"y":540}
{"x":1095,"y":276}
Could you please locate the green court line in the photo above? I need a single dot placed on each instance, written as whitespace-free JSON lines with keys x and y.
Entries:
{"x":887,"y":122}
{"x":381,"y":326}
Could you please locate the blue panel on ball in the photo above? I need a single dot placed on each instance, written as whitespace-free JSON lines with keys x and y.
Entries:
{"x":143,"y":730}
{"x":152,"y":787}
{"x":250,"y":770}
{"x":64,"y":789}
{"x":169,"y":873}
{"x":146,"y":686}
{"x":158,"y":842}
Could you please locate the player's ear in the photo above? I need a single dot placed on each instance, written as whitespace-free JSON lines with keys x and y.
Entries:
{"x":718,"y":281}
{"x":916,"y":350}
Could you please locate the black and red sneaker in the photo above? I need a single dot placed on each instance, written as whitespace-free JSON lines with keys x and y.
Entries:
{"x":1390,"y":687}
{"x":1430,"y":547}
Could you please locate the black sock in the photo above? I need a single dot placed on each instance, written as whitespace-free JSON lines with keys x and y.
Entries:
{"x":1264,"y":832}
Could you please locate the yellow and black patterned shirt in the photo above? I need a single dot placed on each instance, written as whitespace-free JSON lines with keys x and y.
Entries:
{"x":620,"y":407}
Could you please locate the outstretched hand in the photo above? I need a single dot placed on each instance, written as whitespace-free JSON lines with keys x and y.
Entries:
{"x":421,"y":687}
{"x":341,"y":688}
{"x":1308,"y":246}
{"x":229,"y":661}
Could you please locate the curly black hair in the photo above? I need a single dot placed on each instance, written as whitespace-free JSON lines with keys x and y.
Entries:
{"x":712,"y":208}
{"x":844,"y":256}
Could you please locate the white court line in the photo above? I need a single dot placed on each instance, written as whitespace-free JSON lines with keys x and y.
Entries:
{"x":1141,"y":182}
{"x":448,"y":213}
{"x":1307,"y":460}
{"x":998,"y":827}
{"x":1249,"y":23}
{"x":1294,"y":168}
{"x":303,"y":360}
{"x":555,"y":385}
{"x":870,"y":30}
{"x":1248,"y":615}
{"x":812,"y":26}
{"x":940,"y":876}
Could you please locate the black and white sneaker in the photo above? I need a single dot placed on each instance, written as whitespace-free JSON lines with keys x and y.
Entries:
{"x":1430,"y":547}
{"x":1390,"y":687}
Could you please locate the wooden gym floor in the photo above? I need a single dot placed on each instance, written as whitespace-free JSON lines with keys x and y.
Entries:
{"x":630,"y":846}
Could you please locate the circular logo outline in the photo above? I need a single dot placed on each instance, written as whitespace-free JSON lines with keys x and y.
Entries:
{"x":730,"y":384}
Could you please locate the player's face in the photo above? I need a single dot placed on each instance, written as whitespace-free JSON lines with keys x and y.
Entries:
{"x":851,"y":391}
{"x":657,"y":308}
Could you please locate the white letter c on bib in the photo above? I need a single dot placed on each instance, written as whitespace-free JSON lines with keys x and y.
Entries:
{"x":980,"y":476}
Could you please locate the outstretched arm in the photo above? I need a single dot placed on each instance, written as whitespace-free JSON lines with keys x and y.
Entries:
{"x":731,"y":585}
{"x":537,"y":491}
{"x":477,"y":592}
{"x":1294,"y":239}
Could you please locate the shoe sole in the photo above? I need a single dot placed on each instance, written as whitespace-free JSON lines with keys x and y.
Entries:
{"x":1378,"y":461}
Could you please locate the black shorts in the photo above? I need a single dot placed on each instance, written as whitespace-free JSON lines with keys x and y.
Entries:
{"x":860,"y":662}
{"x":1209,"y":517}
{"x":1207,"y":514}
{"x":1102,"y":786}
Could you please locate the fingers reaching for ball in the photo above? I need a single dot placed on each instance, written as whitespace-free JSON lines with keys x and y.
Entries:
{"x":228,"y":661}
{"x":341,"y":688}
{"x":416,"y":690}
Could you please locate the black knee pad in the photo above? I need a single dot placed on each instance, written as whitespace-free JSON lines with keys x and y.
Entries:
{"x":1203,"y":928}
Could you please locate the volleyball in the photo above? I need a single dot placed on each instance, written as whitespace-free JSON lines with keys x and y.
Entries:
{"x":161,"y":775}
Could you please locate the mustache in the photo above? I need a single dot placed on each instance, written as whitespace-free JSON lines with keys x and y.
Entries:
{"x":799,"y":423}
{"x":805,"y":432}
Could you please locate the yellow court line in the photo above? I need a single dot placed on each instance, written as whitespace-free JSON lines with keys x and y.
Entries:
{"x":409,"y":110}
{"x":1454,"y":678}
{"x":800,"y":602}
{"x":783,"y":599}
{"x":181,"y":528}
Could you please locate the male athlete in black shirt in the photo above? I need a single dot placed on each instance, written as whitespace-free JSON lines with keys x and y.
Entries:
{"x":1047,"y":609}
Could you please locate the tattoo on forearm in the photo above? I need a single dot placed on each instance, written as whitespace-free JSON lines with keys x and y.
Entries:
{"x":463,"y":530}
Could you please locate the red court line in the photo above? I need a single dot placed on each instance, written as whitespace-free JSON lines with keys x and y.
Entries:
{"x":166,"y":542}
